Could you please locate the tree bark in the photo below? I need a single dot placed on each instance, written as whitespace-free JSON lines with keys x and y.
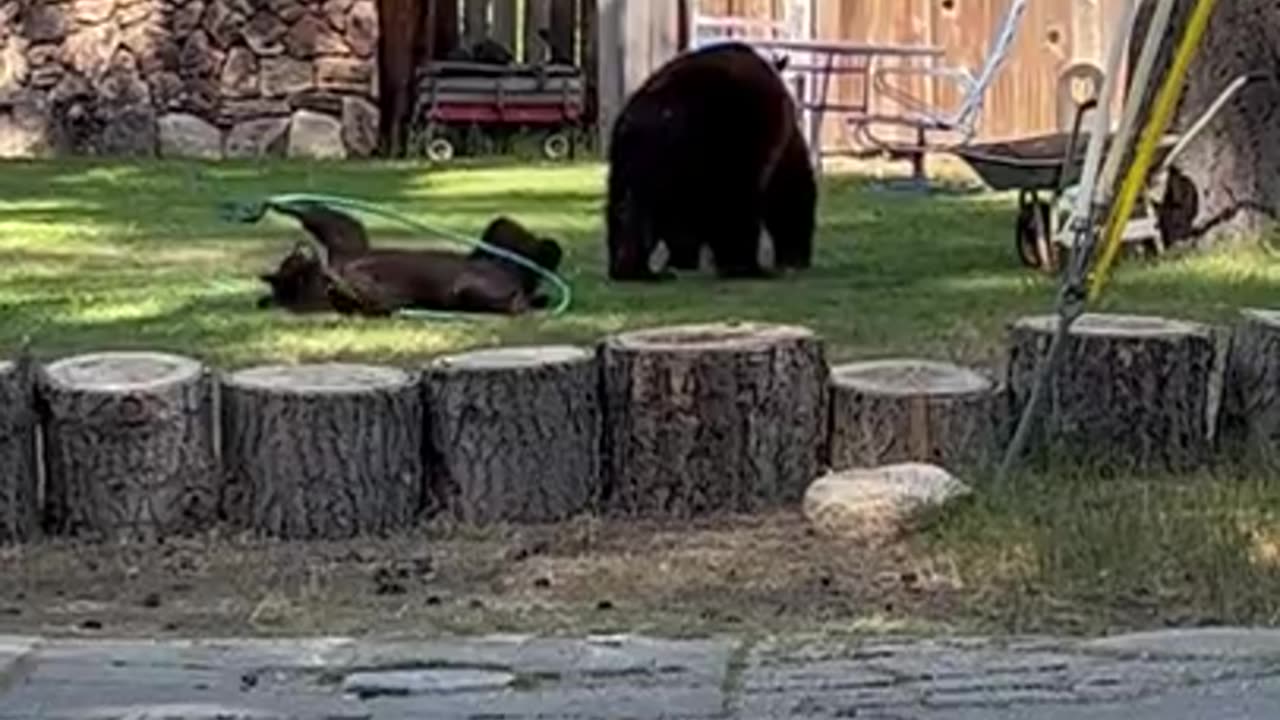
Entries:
{"x":129,"y":448}
{"x":1251,"y":392}
{"x":327,"y":451}
{"x":1229,"y":177}
{"x":19,"y":511}
{"x":704,"y":419}
{"x":894,"y":411}
{"x":514,"y":434}
{"x":1131,"y":393}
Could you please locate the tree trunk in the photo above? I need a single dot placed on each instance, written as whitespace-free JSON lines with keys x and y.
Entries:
{"x":1230,"y":180}
{"x":514,"y":434}
{"x":129,"y":446}
{"x":327,"y":451}
{"x":1251,"y":392}
{"x":712,"y":418}
{"x":1131,"y":393}
{"x":894,"y":411}
{"x":19,"y":511}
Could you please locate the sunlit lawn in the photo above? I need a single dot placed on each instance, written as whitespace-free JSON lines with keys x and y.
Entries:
{"x":97,"y":255}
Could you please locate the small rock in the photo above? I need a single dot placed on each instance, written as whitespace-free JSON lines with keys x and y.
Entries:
{"x":15,"y":67}
{"x":284,"y":76}
{"x":91,"y":624}
{"x":604,"y":605}
{"x":240,"y":74}
{"x":198,"y":58}
{"x":185,"y":135}
{"x":344,"y":75}
{"x":310,"y":36}
{"x":362,"y":28}
{"x":131,"y":132}
{"x":26,"y":129}
{"x":360,"y":126}
{"x":425,"y":682}
{"x":542,"y":582}
{"x":434,"y":600}
{"x":312,"y":135}
{"x":880,"y":504}
{"x":386,"y":581}
{"x":89,"y":51}
{"x":151,"y":600}
{"x":186,"y":17}
{"x":288,"y":10}
{"x":222,"y":23}
{"x":45,"y":23}
{"x":263,"y":34}
{"x":264,"y":137}
{"x":92,"y":11}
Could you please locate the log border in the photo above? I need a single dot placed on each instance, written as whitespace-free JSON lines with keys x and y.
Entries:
{"x":1001,"y":420}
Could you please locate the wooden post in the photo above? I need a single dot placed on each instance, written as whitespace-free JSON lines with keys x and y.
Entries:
{"x":504,"y":25}
{"x":129,"y":446}
{"x":19,"y":511}
{"x":537,"y":16}
{"x":475,"y":20}
{"x":563,"y":25}
{"x":891,"y":411}
{"x":514,"y":434}
{"x":1132,"y":392}
{"x":635,"y":38}
{"x":712,"y":419}
{"x":327,"y":451}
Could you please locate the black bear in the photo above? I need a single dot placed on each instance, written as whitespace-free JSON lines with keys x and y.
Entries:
{"x":708,"y":151}
{"x":354,"y":279}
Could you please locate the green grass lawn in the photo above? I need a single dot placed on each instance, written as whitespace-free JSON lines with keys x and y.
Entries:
{"x":99,"y":255}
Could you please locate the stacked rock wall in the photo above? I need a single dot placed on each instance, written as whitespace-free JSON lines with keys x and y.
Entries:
{"x":194,"y":78}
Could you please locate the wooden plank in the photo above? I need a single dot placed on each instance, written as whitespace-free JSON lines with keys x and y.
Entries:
{"x":475,"y":20}
{"x":504,"y":24}
{"x":537,"y":16}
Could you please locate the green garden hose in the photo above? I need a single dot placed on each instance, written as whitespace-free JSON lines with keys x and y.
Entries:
{"x":251,"y":211}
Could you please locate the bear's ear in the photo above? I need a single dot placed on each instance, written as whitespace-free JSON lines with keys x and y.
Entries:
{"x":549,"y":254}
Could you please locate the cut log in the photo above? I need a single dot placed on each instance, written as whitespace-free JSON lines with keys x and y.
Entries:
{"x":893,"y":411}
{"x":19,"y":509}
{"x":1132,"y":392}
{"x":322,"y":452}
{"x":514,"y":434}
{"x":1251,"y":390}
{"x":129,"y":450}
{"x":706,"y":419}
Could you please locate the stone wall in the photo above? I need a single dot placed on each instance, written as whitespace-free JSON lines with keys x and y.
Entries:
{"x":193,"y":78}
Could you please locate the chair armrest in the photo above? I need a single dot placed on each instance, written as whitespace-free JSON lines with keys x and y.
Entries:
{"x":959,"y":75}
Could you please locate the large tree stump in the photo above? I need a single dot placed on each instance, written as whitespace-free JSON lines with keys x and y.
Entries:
{"x":893,"y":411}
{"x":712,"y":418}
{"x":1251,"y":390}
{"x":514,"y":434}
{"x":19,"y":510}
{"x":129,"y":446}
{"x":325,"y":451}
{"x":1132,"y":392}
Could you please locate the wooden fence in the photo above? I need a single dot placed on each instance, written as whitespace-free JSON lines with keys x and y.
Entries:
{"x":1023,"y":100}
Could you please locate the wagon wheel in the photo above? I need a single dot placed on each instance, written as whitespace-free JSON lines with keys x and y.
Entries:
{"x":440,"y":149}
{"x":556,"y":146}
{"x":1032,"y":235}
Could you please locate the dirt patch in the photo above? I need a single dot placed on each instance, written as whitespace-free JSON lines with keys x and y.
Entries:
{"x":589,"y":575}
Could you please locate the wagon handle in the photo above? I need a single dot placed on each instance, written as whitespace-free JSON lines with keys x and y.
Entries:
{"x":1208,"y":116}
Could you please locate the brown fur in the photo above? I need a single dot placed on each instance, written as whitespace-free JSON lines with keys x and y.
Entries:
{"x":384,"y":281}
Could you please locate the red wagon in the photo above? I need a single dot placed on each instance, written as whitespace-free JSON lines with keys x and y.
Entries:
{"x":454,"y":98}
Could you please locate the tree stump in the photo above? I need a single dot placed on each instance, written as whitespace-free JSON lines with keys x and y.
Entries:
{"x":893,"y":411}
{"x":1132,"y":392}
{"x":322,"y":452}
{"x":514,"y":434}
{"x":1251,"y":390}
{"x":19,"y":509}
{"x":721,"y":418}
{"x":128,"y":446}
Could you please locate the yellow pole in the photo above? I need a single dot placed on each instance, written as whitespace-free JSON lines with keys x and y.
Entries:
{"x":1165,"y":104}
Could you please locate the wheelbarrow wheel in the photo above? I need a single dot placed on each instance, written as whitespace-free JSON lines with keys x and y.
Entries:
{"x":1032,"y":235}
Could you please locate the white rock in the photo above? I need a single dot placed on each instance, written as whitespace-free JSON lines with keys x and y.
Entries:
{"x":185,"y":135}
{"x":880,"y":504}
{"x":315,"y":135}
